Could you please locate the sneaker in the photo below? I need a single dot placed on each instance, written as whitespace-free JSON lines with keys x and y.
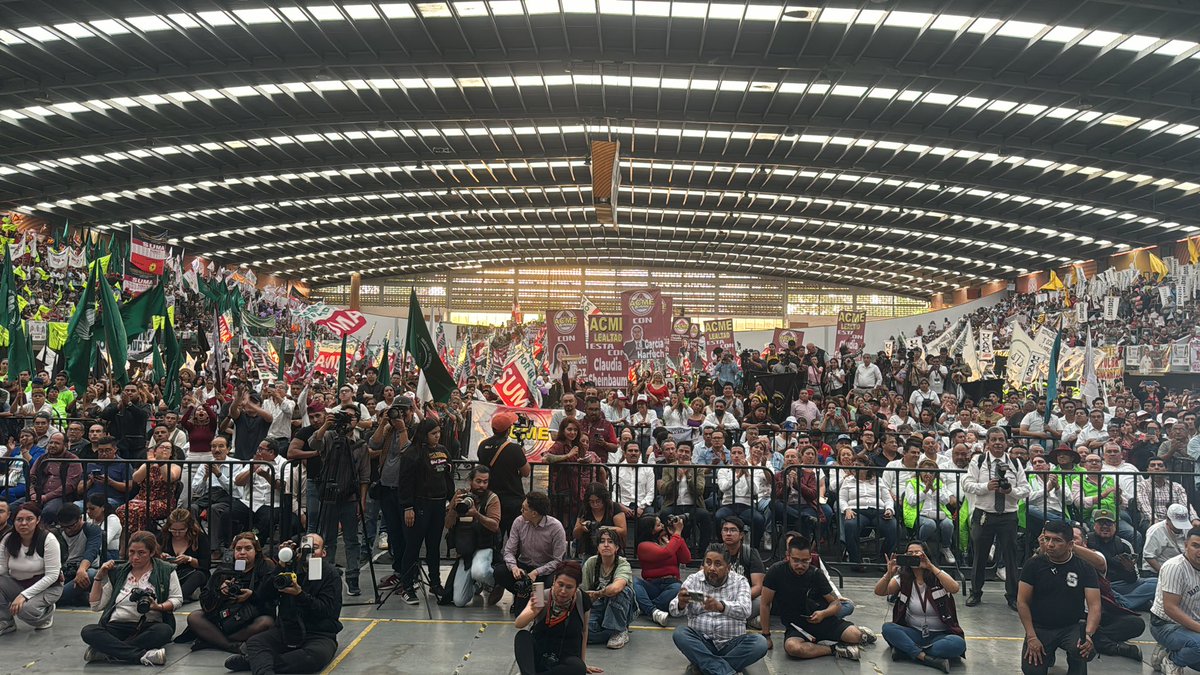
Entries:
{"x":933,"y":662}
{"x":948,"y":556}
{"x":352,"y":588}
{"x":389,"y":582}
{"x":382,"y":541}
{"x":1169,"y":667}
{"x":693,"y":669}
{"x":1156,"y":659}
{"x":237,"y":663}
{"x":1128,"y":651}
{"x":849,"y":652}
{"x":495,"y":594}
{"x":92,"y":655}
{"x":6,"y":628}
{"x":47,"y":620}
{"x":1001,"y":574}
{"x":619,"y":640}
{"x":410,"y":595}
{"x":868,"y":636}
{"x":155,"y":657}
{"x":754,"y":622}
{"x":660,"y":617}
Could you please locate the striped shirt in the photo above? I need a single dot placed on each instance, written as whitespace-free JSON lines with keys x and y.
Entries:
{"x":720,"y":627}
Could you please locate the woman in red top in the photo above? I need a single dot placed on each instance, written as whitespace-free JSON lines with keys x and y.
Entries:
{"x":201,"y":425}
{"x":661,"y":550}
{"x":659,"y":389}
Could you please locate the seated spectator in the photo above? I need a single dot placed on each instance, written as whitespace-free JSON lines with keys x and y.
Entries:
{"x":107,"y":478}
{"x":185,"y":545}
{"x":924,"y":626}
{"x":740,"y":486}
{"x":556,"y":642}
{"x":608,"y":582}
{"x":1175,"y":615}
{"x":536,"y":544}
{"x":14,"y":469}
{"x":1166,"y":538}
{"x":717,"y":604}
{"x":1049,"y":492}
{"x":157,"y":481}
{"x":126,"y":634}
{"x":808,"y":608}
{"x":1120,"y":565}
{"x":1118,"y":625}
{"x":83,"y":542}
{"x":866,"y":503}
{"x":100,"y":513}
{"x":1051,"y":597}
{"x":231,"y":607}
{"x":928,"y":503}
{"x":660,"y":551}
{"x":212,"y":492}
{"x":682,"y":491}
{"x":1157,"y":492}
{"x":256,"y":487}
{"x":5,"y":525}
{"x":54,"y":477}
{"x":30,"y":572}
{"x":633,"y":484}
{"x":598,"y":511}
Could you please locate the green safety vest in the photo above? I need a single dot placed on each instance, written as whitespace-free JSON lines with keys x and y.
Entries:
{"x":911,"y":511}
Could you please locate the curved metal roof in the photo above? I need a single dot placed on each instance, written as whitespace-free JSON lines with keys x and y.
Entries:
{"x":911,"y":146}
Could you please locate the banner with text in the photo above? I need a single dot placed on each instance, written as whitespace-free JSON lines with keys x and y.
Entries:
{"x":718,"y":333}
{"x":606,"y":365}
{"x":784,"y":335}
{"x":532,"y":430}
{"x":565,"y":337}
{"x":851,"y":330}
{"x":646,"y":326}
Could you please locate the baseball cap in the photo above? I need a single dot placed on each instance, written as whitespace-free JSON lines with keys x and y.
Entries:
{"x":790,"y":420}
{"x":1169,"y":421}
{"x":1178,"y":515}
{"x":503,"y":421}
{"x":1103,"y":514}
{"x":642,"y":398}
{"x":843,"y":437}
{"x":621,"y":395}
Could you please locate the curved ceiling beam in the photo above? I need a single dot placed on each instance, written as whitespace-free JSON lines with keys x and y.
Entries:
{"x":942,"y":175}
{"x":330,"y":204}
{"x":599,"y":115}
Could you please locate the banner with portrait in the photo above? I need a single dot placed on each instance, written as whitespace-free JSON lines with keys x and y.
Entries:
{"x":566,"y":331}
{"x":784,"y":335}
{"x":646,"y":325}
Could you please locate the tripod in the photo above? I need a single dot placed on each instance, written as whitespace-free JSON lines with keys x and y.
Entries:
{"x":323,"y":514}
{"x":422,"y":580}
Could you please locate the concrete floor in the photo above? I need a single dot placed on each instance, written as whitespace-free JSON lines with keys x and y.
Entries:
{"x":477,"y":640}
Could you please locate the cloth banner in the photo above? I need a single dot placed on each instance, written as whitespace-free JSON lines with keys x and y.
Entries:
{"x":1164,"y":295}
{"x":149,"y":257}
{"x":1109,"y":363}
{"x":565,"y":340}
{"x":342,"y":321}
{"x":851,"y":330}
{"x":225,"y":327}
{"x":987,"y":338}
{"x":681,"y":328}
{"x":1112,"y":305}
{"x":1194,"y":351}
{"x":1154,"y":360}
{"x":327,"y":354}
{"x":718,"y":333}
{"x":532,"y":430}
{"x":645,"y":325}
{"x":783,"y":335}
{"x":781,"y":389}
{"x":515,"y":384}
{"x":606,"y":364}
{"x":76,"y":258}
{"x":136,"y":284}
{"x":1181,"y":359}
{"x":58,"y":260}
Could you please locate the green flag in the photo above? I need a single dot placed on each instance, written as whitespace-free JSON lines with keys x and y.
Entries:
{"x":385,"y":371}
{"x":80,"y":349}
{"x":420,"y":344}
{"x":342,"y":365}
{"x":156,"y":361}
{"x":281,"y":374}
{"x":115,"y":338}
{"x":20,"y":353}
{"x":1052,"y":382}
{"x":172,"y":392}
{"x":138,"y":314}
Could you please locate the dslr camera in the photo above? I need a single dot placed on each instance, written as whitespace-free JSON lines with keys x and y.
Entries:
{"x":143,"y":598}
{"x":292,"y":557}
{"x":399,"y":408}
{"x":464,"y":505}
{"x":1002,"y":479}
{"x":342,"y":421}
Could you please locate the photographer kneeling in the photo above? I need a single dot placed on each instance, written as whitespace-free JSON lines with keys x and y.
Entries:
{"x":232,"y":608}
{"x":137,"y":599}
{"x":475,"y":535}
{"x":304,"y":637}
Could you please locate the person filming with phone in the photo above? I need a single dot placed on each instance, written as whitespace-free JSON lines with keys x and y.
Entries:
{"x":924,"y":626}
{"x":717,"y":604}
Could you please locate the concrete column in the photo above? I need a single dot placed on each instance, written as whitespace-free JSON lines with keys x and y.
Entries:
{"x":355,"y":286}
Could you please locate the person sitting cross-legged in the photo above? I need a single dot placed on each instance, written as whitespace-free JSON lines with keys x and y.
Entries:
{"x":924,"y":626}
{"x":608,"y":582}
{"x":717,"y":604}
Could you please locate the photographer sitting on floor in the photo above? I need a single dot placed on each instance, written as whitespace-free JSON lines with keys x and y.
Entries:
{"x":475,"y":535}
{"x":308,"y":599}
{"x":232,"y":610}
{"x":137,"y":600}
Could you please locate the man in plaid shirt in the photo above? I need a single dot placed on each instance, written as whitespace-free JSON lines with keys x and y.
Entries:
{"x":1156,"y":493}
{"x":717,"y":605}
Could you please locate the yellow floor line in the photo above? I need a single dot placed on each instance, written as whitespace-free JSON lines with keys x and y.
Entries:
{"x":350,"y":647}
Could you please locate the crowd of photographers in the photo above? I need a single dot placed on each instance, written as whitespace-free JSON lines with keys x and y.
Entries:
{"x":113,"y":501}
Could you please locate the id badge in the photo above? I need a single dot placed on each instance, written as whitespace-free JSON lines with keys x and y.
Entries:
{"x":924,"y":632}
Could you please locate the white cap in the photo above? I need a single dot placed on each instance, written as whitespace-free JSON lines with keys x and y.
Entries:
{"x":642,"y":398}
{"x":1178,"y":515}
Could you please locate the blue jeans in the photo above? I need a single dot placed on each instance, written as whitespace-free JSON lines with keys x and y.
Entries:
{"x":1136,"y":595}
{"x":885,"y":527}
{"x":472,"y":574}
{"x":611,"y":616}
{"x":73,"y":596}
{"x":928,"y":528}
{"x":910,"y":642}
{"x":654,"y":594}
{"x":1182,"y":645}
{"x":846,"y":608}
{"x":732,"y":657}
{"x":346,"y":515}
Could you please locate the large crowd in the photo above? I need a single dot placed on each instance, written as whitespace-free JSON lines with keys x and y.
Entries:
{"x":253,"y":509}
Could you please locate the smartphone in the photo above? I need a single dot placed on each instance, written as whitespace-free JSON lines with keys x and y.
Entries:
{"x":96,"y":473}
{"x":697,"y":599}
{"x":908,"y":560}
{"x":539,"y":589}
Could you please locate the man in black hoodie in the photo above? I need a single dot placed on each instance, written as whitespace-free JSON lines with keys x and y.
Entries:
{"x":304,"y":639}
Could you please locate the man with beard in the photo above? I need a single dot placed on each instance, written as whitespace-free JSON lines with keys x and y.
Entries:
{"x":717,"y":604}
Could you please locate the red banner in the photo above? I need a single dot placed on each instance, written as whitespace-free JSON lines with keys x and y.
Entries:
{"x":718,"y":333}
{"x":851,"y":330}
{"x":565,"y":337}
{"x":782,"y":335}
{"x":606,"y":365}
{"x":343,"y":322}
{"x":328,"y":354}
{"x":646,"y":325}
{"x":147,"y":256}
{"x":225,"y":327}
{"x":681,"y":326}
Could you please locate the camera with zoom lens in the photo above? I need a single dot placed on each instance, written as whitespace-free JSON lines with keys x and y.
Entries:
{"x":523,"y":587}
{"x":1002,"y":481}
{"x":143,"y":598}
{"x":284,"y":580}
{"x":465,"y":504}
{"x":342,"y":420}
{"x":292,"y":557}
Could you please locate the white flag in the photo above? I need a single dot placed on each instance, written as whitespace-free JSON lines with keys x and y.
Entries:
{"x":1089,"y":384}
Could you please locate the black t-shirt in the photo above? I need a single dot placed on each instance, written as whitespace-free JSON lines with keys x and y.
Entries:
{"x":251,"y":430}
{"x":1058,"y":590}
{"x":1112,"y":550}
{"x":506,"y":472}
{"x":748,"y":562}
{"x":312,"y":467}
{"x":797,"y":595}
{"x":375,"y":390}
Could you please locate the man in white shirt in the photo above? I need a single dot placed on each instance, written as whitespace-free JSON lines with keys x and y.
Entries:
{"x":633,"y":483}
{"x":996,"y":485}
{"x":1072,"y":430}
{"x":276,"y":402}
{"x":964,"y":422}
{"x":719,"y":417}
{"x":867,"y":374}
{"x":256,"y":489}
{"x":1094,"y":434}
{"x":212,"y":490}
{"x":1175,"y":614}
{"x":1034,"y":424}
{"x":1166,"y":539}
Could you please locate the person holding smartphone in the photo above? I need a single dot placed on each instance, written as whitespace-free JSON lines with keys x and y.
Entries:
{"x":924,"y":626}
